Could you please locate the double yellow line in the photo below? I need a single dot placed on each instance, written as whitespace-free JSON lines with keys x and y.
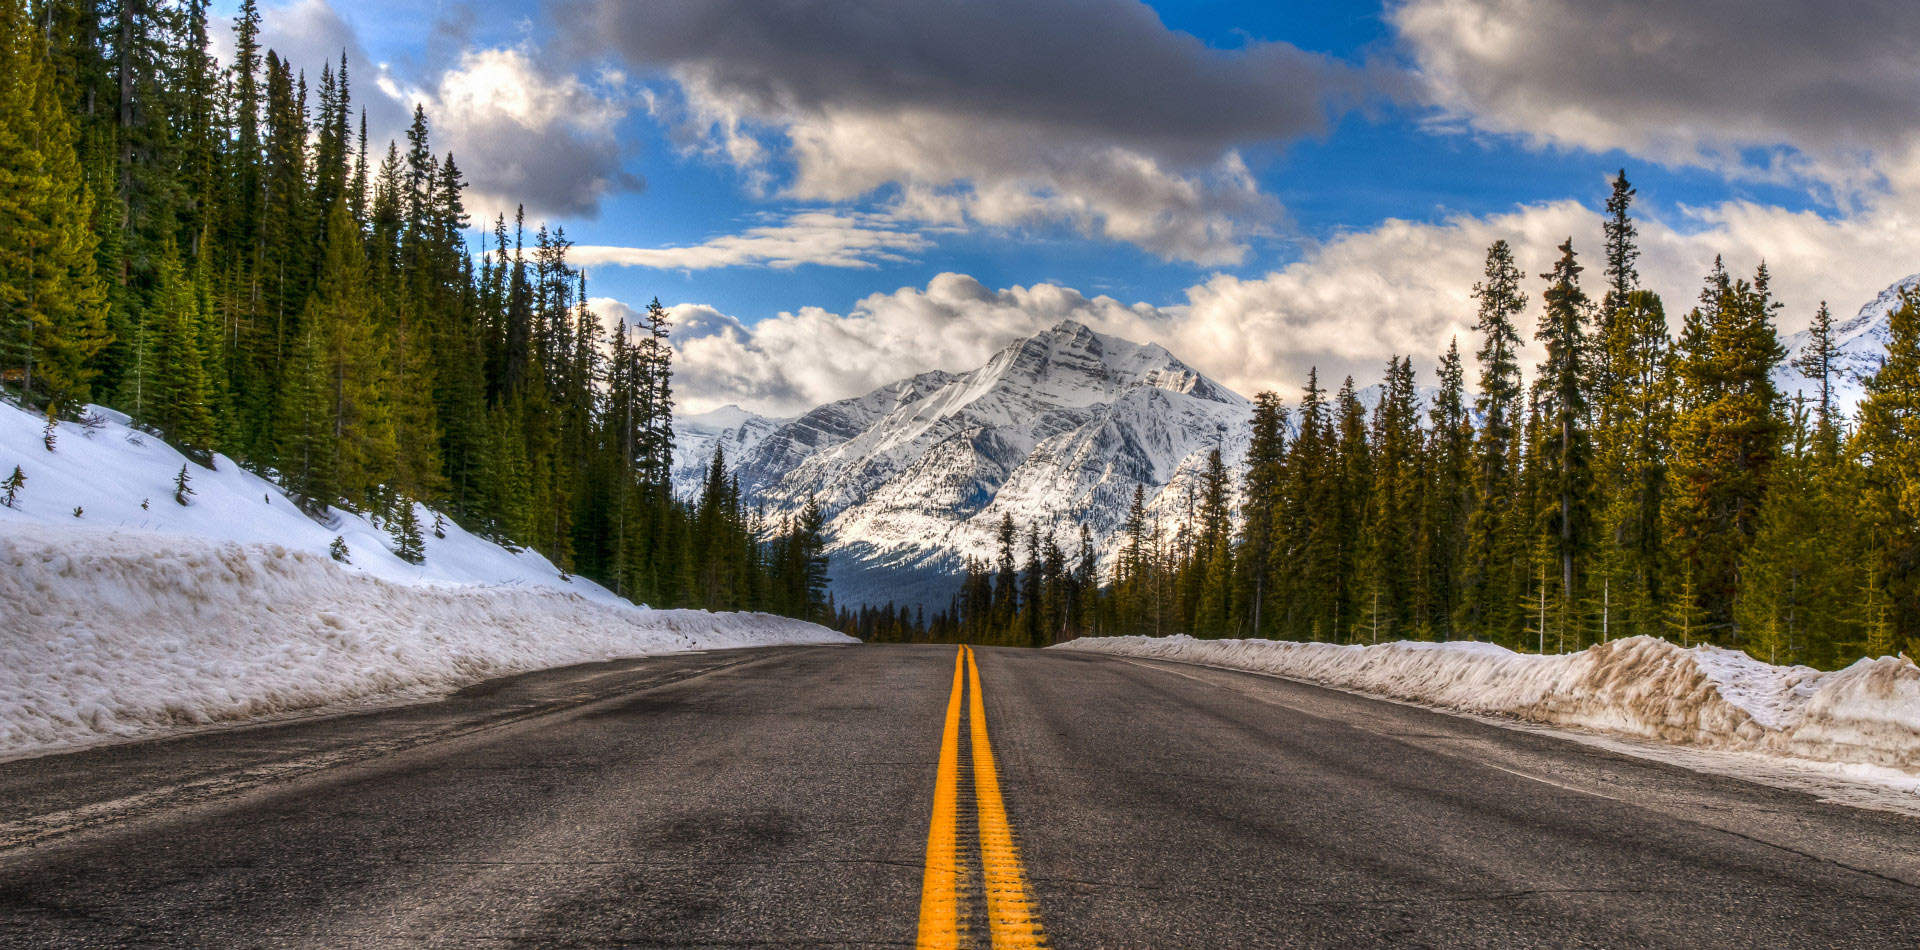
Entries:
{"x":1012,"y":922}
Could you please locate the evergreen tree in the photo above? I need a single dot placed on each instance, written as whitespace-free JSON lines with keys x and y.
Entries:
{"x":12,"y":487}
{"x":1725,"y":438}
{"x":1567,"y":471}
{"x":182,"y":392}
{"x":1815,"y":362}
{"x":1450,"y":493}
{"x":1888,"y":443}
{"x":52,"y":303}
{"x":1263,"y":520}
{"x":1488,"y":584}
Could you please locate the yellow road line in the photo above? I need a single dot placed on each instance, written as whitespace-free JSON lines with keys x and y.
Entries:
{"x":1010,"y":915}
{"x":940,"y":884}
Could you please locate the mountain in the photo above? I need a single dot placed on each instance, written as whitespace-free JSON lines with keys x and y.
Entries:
{"x":1057,"y":429}
{"x":1862,"y":341}
{"x":696,"y":436}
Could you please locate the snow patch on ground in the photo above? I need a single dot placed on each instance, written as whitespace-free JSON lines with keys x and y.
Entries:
{"x":108,"y":635}
{"x":122,"y":478}
{"x":1865,"y":717}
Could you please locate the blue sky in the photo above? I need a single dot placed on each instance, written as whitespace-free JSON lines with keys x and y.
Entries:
{"x":1261,"y":186}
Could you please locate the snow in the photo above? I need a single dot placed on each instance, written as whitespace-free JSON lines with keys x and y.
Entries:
{"x":108,"y":635}
{"x":141,"y":617}
{"x":1861,"y":342}
{"x":1866,"y":716}
{"x":122,"y":478}
{"x":1057,"y":428}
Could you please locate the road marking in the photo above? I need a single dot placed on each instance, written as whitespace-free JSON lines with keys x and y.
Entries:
{"x":940,"y":884}
{"x":945,"y":888}
{"x":1010,"y":915}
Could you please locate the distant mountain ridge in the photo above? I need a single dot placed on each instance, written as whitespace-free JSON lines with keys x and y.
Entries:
{"x":1056,"y":429}
{"x":1862,"y":342}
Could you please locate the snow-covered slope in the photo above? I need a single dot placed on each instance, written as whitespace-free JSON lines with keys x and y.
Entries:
{"x":121,"y":478}
{"x":108,"y":634}
{"x":124,"y":614}
{"x":1867,"y":714}
{"x":1862,"y":340}
{"x":1056,"y":429}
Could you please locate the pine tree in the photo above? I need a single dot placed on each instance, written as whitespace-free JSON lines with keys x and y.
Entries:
{"x":52,"y":303}
{"x":1622,"y":251}
{"x":358,"y":372}
{"x":1685,"y":619}
{"x":1006,"y":598}
{"x":1888,"y":442}
{"x":1795,"y":578}
{"x":1815,"y":362}
{"x":1263,"y":520}
{"x":1563,"y":380}
{"x":307,"y":450}
{"x":1449,"y":499}
{"x":408,"y":545}
{"x":182,"y":487}
{"x":182,"y":393}
{"x":1488,"y":584}
{"x":1634,"y":420}
{"x":13,"y":486}
{"x":1725,"y":436}
{"x":1213,"y":606}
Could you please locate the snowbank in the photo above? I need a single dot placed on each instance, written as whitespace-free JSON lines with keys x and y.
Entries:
{"x":108,"y":635}
{"x":1868,"y":713}
{"x":122,"y":478}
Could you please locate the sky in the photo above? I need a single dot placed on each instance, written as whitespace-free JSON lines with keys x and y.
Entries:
{"x":833,"y":194}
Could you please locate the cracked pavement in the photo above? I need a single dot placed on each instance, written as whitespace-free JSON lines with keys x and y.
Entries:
{"x":781,"y":797}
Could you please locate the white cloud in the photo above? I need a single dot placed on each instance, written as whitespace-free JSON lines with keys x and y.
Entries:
{"x":827,"y":239}
{"x":1781,"y":89}
{"x":1085,"y":114}
{"x":525,"y":134}
{"x":1399,"y":288}
{"x":520,"y":130}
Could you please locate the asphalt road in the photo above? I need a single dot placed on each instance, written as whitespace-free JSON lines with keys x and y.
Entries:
{"x":781,"y":798}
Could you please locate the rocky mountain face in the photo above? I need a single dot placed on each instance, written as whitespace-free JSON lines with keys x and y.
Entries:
{"x":1057,"y":430}
{"x":1862,"y":341}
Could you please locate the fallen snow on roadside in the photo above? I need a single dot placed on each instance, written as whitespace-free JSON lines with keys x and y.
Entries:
{"x":108,"y":635}
{"x":1856,"y":722}
{"x":122,"y":478}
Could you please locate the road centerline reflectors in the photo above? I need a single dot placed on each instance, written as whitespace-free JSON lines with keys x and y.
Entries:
{"x":1012,"y":922}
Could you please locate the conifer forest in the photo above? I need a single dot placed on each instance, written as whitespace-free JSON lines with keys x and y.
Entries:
{"x":1648,"y":478}
{"x":218,"y":251}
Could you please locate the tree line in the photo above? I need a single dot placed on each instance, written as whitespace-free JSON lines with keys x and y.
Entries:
{"x":1642,"y":482}
{"x":216,"y":252}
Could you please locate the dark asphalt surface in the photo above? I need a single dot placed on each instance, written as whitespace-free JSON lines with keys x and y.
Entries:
{"x":780,"y":798}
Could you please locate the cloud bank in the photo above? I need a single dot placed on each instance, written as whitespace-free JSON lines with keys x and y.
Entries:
{"x":1090,"y":114}
{"x":521,"y":129}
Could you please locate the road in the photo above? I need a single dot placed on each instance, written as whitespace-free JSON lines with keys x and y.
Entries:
{"x":876,"y":796}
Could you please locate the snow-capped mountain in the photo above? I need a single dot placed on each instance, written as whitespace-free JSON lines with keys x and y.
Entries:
{"x":1862,"y":341}
{"x":1056,"y":429}
{"x":695,"y":437}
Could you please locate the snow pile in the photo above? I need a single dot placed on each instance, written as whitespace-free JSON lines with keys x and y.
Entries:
{"x":108,"y":635}
{"x":122,"y":478}
{"x":1868,"y":713}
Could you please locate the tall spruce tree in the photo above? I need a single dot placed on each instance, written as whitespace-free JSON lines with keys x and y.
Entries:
{"x":1488,"y":585}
